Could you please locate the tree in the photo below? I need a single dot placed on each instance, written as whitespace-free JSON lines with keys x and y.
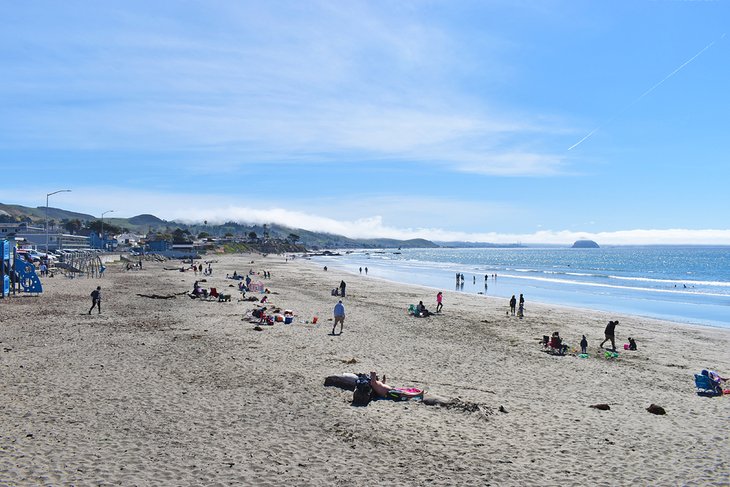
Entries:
{"x":252,"y":236}
{"x":179,"y":235}
{"x":293,"y":237}
{"x":228,"y":235}
{"x":203,"y":235}
{"x":72,"y":226}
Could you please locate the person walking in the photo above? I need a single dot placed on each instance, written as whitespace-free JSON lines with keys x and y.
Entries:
{"x":339,"y":313}
{"x":342,"y":288}
{"x":96,"y":299}
{"x":439,"y":301}
{"x":610,"y":333}
{"x":513,"y":304}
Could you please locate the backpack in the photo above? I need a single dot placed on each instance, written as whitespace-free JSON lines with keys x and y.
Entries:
{"x":363,"y":391}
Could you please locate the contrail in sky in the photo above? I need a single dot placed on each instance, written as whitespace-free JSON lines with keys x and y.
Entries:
{"x":646,"y":92}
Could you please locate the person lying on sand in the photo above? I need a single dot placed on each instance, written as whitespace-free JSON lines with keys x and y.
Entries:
{"x":384,"y":391}
{"x":379,"y":387}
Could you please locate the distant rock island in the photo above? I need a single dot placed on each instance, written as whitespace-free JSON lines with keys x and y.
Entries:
{"x":585,"y":244}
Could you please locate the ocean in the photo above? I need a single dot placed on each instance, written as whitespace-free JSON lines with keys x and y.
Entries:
{"x":681,"y":284}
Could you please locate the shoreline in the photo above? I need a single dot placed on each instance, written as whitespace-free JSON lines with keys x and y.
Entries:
{"x":669,"y":311}
{"x":182,"y":391}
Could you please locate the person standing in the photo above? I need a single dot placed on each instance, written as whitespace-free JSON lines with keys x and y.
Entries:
{"x":342,"y":288}
{"x":366,"y":271}
{"x":339,"y":313}
{"x":96,"y":299}
{"x":360,"y":270}
{"x":584,"y":345}
{"x":610,"y":333}
{"x":439,"y":301}
{"x":513,"y":304}
{"x":522,"y":301}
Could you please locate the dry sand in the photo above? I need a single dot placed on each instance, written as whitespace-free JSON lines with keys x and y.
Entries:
{"x":185,"y":392}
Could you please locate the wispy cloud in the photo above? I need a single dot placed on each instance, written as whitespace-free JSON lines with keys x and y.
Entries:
{"x":328,"y":82}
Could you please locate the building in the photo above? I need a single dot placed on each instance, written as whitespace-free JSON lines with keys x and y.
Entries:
{"x":55,"y":240}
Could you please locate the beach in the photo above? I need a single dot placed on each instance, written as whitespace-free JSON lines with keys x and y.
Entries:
{"x":184,"y":391}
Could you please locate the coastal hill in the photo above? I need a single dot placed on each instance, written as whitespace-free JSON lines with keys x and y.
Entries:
{"x":146,"y":223}
{"x":585,"y":244}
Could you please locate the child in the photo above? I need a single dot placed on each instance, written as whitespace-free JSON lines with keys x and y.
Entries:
{"x":632,"y":344}
{"x":584,"y":345}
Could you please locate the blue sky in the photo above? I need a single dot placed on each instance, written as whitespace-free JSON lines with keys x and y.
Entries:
{"x":448,"y":120}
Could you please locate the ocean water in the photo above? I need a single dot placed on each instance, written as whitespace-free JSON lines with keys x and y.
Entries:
{"x":682,"y":284}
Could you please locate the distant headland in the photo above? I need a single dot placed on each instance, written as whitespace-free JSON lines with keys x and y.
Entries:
{"x":585,"y":244}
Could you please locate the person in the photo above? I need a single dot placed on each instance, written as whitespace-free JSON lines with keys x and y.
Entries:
{"x":521,"y":310}
{"x":610,"y":335}
{"x":366,"y":271}
{"x":421,"y":310}
{"x":522,"y":301}
{"x":339,"y":313}
{"x":325,"y":268}
{"x":380,"y":388}
{"x":632,"y":344}
{"x":439,"y":301}
{"x":101,"y":270}
{"x":556,"y":343}
{"x":342,"y":288}
{"x":583,"y":345}
{"x":95,"y":299}
{"x":360,"y":270}
{"x":383,"y":390}
{"x":512,"y":304}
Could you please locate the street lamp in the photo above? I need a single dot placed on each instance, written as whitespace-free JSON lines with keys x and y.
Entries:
{"x":103,"y":240}
{"x":49,"y":194}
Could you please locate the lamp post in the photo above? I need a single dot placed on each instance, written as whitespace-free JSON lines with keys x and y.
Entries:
{"x":103,"y":240}
{"x":47,"y":195}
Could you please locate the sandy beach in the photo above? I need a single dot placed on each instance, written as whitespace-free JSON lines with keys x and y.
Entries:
{"x":186,"y":392}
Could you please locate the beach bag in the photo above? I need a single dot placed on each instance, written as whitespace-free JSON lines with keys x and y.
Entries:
{"x":363,"y":391}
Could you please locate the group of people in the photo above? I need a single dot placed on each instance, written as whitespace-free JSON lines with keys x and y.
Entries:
{"x":340,"y":290}
{"x":513,"y":305}
{"x":555,"y":342}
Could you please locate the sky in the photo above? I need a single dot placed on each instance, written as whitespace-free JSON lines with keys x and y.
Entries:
{"x":492,"y":121}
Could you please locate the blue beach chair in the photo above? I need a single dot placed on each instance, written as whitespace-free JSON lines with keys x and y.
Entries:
{"x":706,"y":386}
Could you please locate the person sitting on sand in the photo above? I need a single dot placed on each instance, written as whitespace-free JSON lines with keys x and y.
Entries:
{"x":714,"y":376}
{"x":421,"y":310}
{"x":198,"y":291}
{"x":632,"y":344}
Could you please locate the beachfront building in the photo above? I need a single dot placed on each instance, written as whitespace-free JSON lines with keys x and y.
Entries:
{"x":56,"y":240}
{"x":11,"y":229}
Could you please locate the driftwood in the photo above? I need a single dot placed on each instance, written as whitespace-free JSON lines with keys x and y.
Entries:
{"x":159,"y":296}
{"x":347,"y":382}
{"x":602,"y":407}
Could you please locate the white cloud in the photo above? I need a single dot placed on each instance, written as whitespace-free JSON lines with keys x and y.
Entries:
{"x":219,"y":209}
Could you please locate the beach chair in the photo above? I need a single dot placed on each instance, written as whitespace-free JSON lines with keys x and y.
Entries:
{"x":706,"y":386}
